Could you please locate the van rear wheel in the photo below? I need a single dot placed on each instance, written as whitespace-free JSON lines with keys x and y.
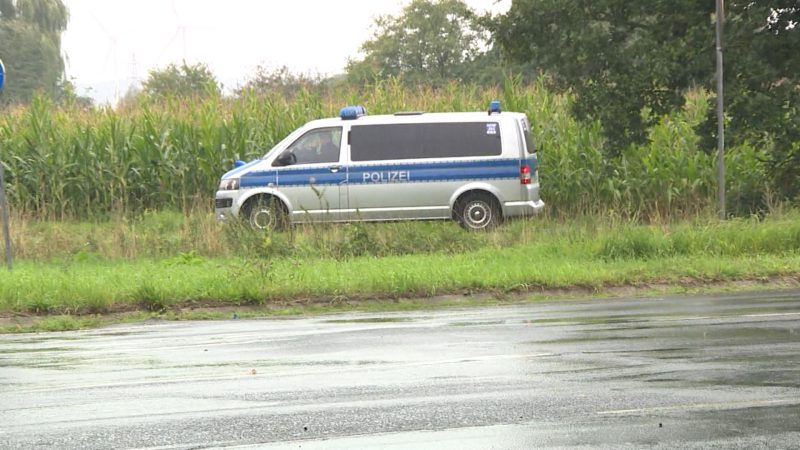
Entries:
{"x":265,"y":213}
{"x":477,"y":212}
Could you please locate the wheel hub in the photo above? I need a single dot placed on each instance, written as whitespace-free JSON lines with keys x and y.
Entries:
{"x":479,"y":215}
{"x":261,"y":218}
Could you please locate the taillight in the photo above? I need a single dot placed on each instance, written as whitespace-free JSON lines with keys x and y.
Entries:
{"x":525,"y":174}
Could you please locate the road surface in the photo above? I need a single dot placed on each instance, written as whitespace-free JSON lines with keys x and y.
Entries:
{"x":715,"y":371}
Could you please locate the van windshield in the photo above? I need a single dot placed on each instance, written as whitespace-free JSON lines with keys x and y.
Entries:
{"x":283,"y":142}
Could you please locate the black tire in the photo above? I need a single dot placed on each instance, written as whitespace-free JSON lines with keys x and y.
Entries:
{"x":265,"y":213}
{"x":478,"y":212}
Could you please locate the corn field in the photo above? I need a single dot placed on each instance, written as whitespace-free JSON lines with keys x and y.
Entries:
{"x":64,"y":162}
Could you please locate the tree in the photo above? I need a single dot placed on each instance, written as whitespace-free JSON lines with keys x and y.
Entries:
{"x":8,"y":11}
{"x":430,"y":42}
{"x":619,"y":56}
{"x":49,"y":16}
{"x":630,"y":61}
{"x":30,"y":45}
{"x":181,"y":81}
{"x":762,"y":86}
{"x":281,"y":81}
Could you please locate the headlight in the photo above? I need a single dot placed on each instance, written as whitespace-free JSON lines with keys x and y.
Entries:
{"x":231,"y":184}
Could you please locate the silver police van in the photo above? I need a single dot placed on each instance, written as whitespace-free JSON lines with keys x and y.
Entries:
{"x":477,"y":168}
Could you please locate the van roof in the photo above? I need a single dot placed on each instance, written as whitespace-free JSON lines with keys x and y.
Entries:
{"x":404,"y":117}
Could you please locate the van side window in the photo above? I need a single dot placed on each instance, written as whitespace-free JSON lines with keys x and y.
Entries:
{"x":424,"y":140}
{"x":526,"y":130}
{"x":317,"y":146}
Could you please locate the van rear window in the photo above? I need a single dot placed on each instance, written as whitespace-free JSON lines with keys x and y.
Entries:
{"x":424,"y":140}
{"x":530,"y":146}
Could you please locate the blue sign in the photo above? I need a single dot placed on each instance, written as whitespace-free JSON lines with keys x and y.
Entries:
{"x":2,"y":74}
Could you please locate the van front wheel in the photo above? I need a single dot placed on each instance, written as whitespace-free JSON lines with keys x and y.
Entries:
{"x":478,"y":212}
{"x":265,"y":213}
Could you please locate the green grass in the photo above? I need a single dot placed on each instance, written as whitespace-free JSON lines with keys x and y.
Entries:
{"x":285,"y":271}
{"x":177,"y":239}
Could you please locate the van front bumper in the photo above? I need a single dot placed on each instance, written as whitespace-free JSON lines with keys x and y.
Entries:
{"x":223,"y":208}
{"x":223,"y":214}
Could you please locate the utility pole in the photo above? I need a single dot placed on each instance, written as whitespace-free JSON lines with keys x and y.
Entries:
{"x":4,"y":207}
{"x":720,"y":118}
{"x":3,"y":202}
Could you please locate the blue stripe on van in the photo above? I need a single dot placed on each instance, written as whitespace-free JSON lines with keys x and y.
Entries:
{"x":439,"y":171}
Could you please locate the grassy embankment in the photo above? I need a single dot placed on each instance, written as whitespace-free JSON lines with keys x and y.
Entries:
{"x":69,"y":273}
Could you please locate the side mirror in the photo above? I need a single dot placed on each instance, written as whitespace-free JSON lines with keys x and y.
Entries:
{"x":238,"y":163}
{"x":286,"y":158}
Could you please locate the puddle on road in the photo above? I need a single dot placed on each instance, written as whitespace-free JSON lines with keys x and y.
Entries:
{"x":658,"y":350}
{"x":617,"y":319}
{"x":116,"y":333}
{"x":278,"y":363}
{"x":703,"y":377}
{"x":777,"y":378}
{"x":38,"y":357}
{"x":754,"y":335}
{"x":756,"y":310}
{"x":637,"y":327}
{"x":756,"y":357}
{"x":722,"y":334}
{"x":39,"y":340}
{"x":372,"y":320}
{"x":659,"y":316}
{"x":586,"y":339}
{"x":36,"y":350}
{"x":61,"y":363}
{"x":477,"y":324}
{"x":664,"y":380}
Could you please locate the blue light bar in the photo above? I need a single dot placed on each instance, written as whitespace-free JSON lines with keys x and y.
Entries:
{"x":352,"y":112}
{"x":494,"y":106}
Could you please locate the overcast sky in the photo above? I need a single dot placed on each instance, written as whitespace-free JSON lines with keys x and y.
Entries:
{"x":114,"y":42}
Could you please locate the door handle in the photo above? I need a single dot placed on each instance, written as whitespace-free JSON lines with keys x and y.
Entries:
{"x":335,"y":169}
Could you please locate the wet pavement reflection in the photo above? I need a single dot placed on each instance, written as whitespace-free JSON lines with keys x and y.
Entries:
{"x":693,"y":371}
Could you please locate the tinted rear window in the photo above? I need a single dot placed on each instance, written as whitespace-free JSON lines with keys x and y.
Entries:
{"x":424,"y":140}
{"x":530,"y":146}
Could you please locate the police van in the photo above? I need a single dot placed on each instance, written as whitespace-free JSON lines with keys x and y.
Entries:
{"x":477,"y":168}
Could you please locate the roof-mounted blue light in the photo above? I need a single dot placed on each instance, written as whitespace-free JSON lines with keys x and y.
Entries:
{"x":494,"y":107}
{"x":2,"y":74}
{"x":352,"y":112}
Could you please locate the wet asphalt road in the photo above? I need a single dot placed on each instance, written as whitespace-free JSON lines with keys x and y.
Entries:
{"x":699,"y":372}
